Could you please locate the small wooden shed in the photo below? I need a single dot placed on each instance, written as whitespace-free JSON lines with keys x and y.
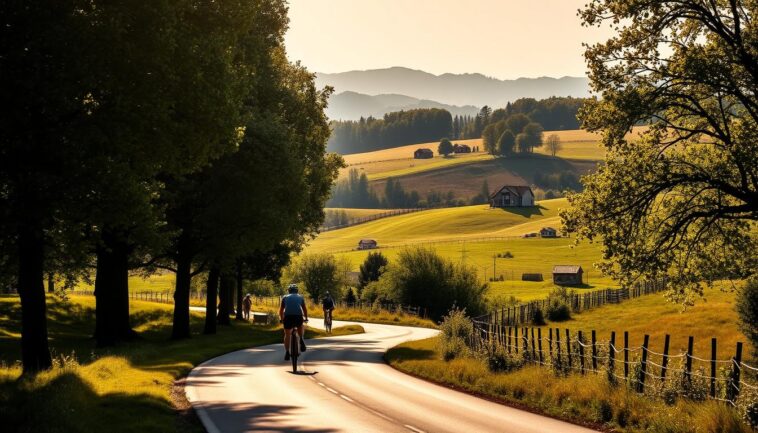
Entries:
{"x":367,"y":244}
{"x":548,"y":232}
{"x":423,"y":153}
{"x":567,"y":275}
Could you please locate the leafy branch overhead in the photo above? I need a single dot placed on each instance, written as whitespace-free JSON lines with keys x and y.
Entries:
{"x":683,"y":200}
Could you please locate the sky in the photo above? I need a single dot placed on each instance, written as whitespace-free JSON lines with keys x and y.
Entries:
{"x":505,"y":39}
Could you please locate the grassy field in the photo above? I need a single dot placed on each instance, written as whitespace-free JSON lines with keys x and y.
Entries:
{"x":591,"y":398}
{"x":162,"y":282}
{"x":400,"y":152}
{"x":402,"y":167}
{"x":353,"y":213}
{"x":127,"y":388}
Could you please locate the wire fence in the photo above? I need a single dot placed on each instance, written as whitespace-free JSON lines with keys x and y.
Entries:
{"x":642,"y":368}
{"x":578,"y":302}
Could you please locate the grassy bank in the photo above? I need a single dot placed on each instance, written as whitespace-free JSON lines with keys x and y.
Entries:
{"x":126,"y":388}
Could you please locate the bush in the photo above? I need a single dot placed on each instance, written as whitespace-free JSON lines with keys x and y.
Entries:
{"x":499,"y":360}
{"x":320,"y":273}
{"x":558,"y":310}
{"x":456,"y":331}
{"x":747,"y":309}
{"x":421,"y":277}
{"x":537,"y":318}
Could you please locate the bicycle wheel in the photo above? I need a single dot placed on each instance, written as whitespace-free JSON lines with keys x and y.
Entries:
{"x":294,"y":350}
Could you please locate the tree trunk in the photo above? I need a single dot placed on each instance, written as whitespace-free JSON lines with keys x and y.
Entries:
{"x":35,"y":353}
{"x":112,"y":292}
{"x":210,"y":301}
{"x":225,"y":290}
{"x":50,"y":283}
{"x":238,"y":292}
{"x":181,"y":326}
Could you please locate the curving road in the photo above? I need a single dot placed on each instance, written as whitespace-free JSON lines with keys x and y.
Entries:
{"x":346,"y":387}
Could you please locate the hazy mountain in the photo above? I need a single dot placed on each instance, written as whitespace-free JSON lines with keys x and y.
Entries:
{"x":352,"y":105}
{"x":454,"y":89}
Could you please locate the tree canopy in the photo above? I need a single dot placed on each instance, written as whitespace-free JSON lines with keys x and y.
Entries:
{"x":682,"y":200}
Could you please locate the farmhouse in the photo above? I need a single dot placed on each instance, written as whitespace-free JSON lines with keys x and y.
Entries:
{"x":461,"y":148}
{"x":423,"y":154}
{"x":512,"y":196}
{"x":548,"y":232}
{"x":567,"y":275}
{"x":367,"y":244}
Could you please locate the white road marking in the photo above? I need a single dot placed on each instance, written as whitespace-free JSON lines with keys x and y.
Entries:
{"x":344,"y":397}
{"x":331,"y":390}
{"x":410,"y":427}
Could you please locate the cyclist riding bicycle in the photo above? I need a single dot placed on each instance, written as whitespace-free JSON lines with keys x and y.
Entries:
{"x":328,"y":306}
{"x":293,"y":313}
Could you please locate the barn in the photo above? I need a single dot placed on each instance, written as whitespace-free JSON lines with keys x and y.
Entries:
{"x":512,"y":196}
{"x":567,"y":275}
{"x":367,"y":244}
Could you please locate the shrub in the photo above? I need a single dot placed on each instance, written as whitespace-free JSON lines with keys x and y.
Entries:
{"x":558,"y":310}
{"x":499,"y":360}
{"x":456,"y":331}
{"x":537,"y":318}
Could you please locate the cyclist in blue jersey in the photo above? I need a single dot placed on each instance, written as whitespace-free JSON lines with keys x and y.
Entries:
{"x":293,"y":313}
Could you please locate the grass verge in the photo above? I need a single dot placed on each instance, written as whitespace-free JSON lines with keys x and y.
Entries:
{"x":582,"y":399}
{"x":125,"y":388}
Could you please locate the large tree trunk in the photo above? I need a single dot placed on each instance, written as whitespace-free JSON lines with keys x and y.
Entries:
{"x":210,"y":301}
{"x":225,"y":290}
{"x":181,"y":326}
{"x":50,"y":283}
{"x":112,"y":292}
{"x":238,"y":292}
{"x":35,"y":354}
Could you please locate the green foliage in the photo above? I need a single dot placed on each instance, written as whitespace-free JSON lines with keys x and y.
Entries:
{"x":395,"y":196}
{"x":456,"y":333}
{"x":678,"y":202}
{"x":538,"y":319}
{"x":371,"y":269}
{"x":506,"y":143}
{"x":421,"y":277}
{"x":395,"y":129}
{"x":747,"y":309}
{"x":558,"y":305}
{"x":445,"y":147}
{"x":319,"y":273}
{"x":353,"y":192}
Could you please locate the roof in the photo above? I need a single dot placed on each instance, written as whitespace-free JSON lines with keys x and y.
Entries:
{"x":548,"y":228}
{"x":423,"y":149}
{"x":517,"y":189}
{"x":567,"y":269}
{"x":366,"y":240}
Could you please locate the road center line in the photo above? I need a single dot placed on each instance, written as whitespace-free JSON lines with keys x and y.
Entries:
{"x":410,"y":427}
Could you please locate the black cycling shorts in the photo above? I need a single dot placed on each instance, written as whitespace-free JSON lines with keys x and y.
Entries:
{"x":293,"y":321}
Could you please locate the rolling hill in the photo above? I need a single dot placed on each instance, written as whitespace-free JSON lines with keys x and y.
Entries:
{"x":352,"y":106}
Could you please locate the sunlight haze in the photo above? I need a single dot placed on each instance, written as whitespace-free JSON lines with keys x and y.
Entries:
{"x":503,"y":39}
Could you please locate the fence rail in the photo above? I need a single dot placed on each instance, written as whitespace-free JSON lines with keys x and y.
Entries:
{"x":370,"y":218}
{"x":578,"y":302}
{"x":565,"y":351}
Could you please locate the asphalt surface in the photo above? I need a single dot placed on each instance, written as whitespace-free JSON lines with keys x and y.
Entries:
{"x":345,"y":386}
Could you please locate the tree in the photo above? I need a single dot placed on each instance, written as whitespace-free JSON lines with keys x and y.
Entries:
{"x":489,"y":138}
{"x":747,"y":309}
{"x":523,"y":143}
{"x":553,"y":144}
{"x":533,"y":132}
{"x":445,"y":147}
{"x":682,"y":200}
{"x":516,"y":123}
{"x":506,"y":143}
{"x":319,"y":273}
{"x":371,"y":269}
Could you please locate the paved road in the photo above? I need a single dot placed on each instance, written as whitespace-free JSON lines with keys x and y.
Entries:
{"x":346,"y":387}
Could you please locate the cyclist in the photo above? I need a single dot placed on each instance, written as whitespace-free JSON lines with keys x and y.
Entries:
{"x":328,"y":306}
{"x":293,"y":313}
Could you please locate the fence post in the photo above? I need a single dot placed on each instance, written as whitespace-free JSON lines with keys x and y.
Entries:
{"x":550,"y":343}
{"x":581,"y":352}
{"x":665,"y":362}
{"x":539,"y":345}
{"x":713,"y":367}
{"x":643,"y":371}
{"x":594,"y":351}
{"x":534,"y":354}
{"x":688,"y":367}
{"x":525,"y":337}
{"x":568,"y":347}
{"x":558,"y":344}
{"x":626,"y":354}
{"x":734,"y":381}
{"x":515,"y":339}
{"x":612,"y":353}
{"x":509,"y":339}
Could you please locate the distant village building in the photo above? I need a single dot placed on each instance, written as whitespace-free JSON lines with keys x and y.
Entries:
{"x":567,"y":275}
{"x":512,"y":196}
{"x":548,"y":232}
{"x":423,"y":154}
{"x":461,"y":148}
{"x":367,"y":244}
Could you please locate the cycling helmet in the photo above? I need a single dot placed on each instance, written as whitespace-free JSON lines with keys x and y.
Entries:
{"x":292,"y":288}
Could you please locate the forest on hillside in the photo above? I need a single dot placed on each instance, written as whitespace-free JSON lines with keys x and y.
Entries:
{"x":427,"y":125}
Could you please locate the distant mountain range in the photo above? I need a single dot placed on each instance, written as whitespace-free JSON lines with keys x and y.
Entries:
{"x":453,"y":89}
{"x":351,"y":105}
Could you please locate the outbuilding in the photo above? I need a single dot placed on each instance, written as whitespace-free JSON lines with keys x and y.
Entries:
{"x":548,"y":232}
{"x":512,"y":196}
{"x":367,"y":244}
{"x":423,"y":153}
{"x":567,"y":275}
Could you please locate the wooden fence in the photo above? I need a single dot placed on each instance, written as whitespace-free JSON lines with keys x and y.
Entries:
{"x":647,"y":370}
{"x":578,"y":302}
{"x":356,"y":221}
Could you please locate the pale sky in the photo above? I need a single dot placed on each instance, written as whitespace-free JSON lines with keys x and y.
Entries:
{"x":505,"y":39}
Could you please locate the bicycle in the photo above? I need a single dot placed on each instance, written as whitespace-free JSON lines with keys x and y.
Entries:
{"x":294,"y":348}
{"x":328,"y":321}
